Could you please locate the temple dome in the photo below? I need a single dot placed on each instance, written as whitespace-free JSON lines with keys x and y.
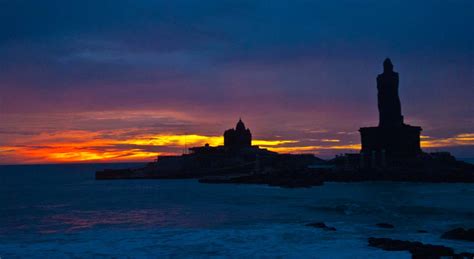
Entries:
{"x":240,"y":125}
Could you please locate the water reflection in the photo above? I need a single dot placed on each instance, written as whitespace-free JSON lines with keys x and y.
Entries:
{"x":131,"y":219}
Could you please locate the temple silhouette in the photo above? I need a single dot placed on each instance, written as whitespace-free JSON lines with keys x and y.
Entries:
{"x":237,"y":140}
{"x":238,"y":137}
{"x":392,"y":139}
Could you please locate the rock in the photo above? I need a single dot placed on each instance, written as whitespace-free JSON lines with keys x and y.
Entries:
{"x":385,"y":225}
{"x":460,"y":234}
{"x":417,"y":249}
{"x":465,"y":255}
{"x":321,"y":225}
{"x":317,"y":225}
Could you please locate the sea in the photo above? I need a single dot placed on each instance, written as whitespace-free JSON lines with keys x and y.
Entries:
{"x":60,"y":211}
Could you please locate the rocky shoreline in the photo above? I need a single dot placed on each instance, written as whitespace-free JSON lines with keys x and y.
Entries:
{"x":309,"y":178}
{"x":302,"y":178}
{"x":287,"y":175}
{"x":284,"y":179}
{"x":415,"y":248}
{"x":460,"y":234}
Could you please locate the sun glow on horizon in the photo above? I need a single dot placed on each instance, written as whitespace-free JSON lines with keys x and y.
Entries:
{"x":82,"y":146}
{"x":126,"y":145}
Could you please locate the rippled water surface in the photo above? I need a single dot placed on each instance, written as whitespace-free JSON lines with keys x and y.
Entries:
{"x":60,"y":210}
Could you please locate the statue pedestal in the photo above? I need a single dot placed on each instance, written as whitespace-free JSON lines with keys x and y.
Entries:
{"x":399,"y":141}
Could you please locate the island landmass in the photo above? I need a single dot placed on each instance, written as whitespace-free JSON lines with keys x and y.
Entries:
{"x":390,"y":151}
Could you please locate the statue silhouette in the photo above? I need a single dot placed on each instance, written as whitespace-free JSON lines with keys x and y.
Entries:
{"x":392,"y":138}
{"x":390,"y":112}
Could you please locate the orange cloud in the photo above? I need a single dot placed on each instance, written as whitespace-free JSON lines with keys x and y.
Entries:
{"x":74,"y":146}
{"x":175,"y":140}
{"x":312,"y":149}
{"x":267,"y":143}
{"x":330,"y":140}
{"x":464,"y":139}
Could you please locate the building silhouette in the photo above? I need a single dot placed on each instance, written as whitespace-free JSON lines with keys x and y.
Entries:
{"x":237,"y":140}
{"x":240,"y":137}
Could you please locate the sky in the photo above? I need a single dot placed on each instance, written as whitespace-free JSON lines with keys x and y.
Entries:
{"x":127,"y":80}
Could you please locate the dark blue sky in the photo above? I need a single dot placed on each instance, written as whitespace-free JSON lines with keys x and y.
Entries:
{"x":286,"y":67}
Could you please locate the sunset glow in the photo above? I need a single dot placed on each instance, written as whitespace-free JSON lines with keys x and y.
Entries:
{"x":106,"y":146}
{"x":464,"y":139}
{"x":80,"y":146}
{"x":131,"y":80}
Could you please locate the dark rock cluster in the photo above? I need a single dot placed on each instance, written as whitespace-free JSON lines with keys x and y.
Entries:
{"x":417,"y":249}
{"x":460,"y":234}
{"x":321,"y":225}
{"x":385,"y":225}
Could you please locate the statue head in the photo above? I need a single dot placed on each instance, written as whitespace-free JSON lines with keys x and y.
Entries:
{"x":387,"y":65}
